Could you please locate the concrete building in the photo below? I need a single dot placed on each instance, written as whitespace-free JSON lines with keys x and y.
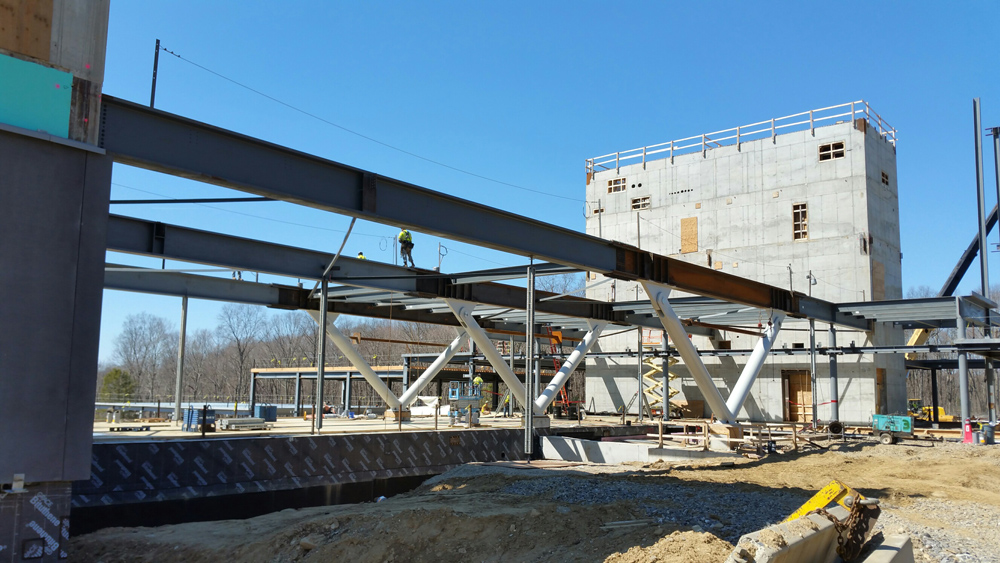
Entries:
{"x":777,"y":201}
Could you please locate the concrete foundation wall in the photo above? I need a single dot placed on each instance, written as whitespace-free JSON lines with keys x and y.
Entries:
{"x":742,"y":199}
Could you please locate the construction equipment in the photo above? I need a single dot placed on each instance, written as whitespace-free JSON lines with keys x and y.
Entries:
{"x":853,"y":531}
{"x":919,"y":411}
{"x":891,"y":427}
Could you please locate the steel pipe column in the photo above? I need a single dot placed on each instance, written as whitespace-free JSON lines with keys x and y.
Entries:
{"x":432,"y":370}
{"x":834,"y":388}
{"x":568,"y":367}
{"x":463,"y":312}
{"x":963,"y":383}
{"x":321,"y":320}
{"x":756,"y":361}
{"x":658,"y":295}
{"x":179,"y":386}
{"x":344,"y":345}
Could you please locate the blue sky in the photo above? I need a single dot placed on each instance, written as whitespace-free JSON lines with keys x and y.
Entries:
{"x":524,"y":92}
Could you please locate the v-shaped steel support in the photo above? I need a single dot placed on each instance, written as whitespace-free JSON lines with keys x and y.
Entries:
{"x":658,"y":295}
{"x":749,"y":374}
{"x":432,"y":370}
{"x":344,"y":345}
{"x":549,"y":393}
{"x":463,"y":312}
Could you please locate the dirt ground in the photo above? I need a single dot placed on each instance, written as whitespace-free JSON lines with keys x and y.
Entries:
{"x":497,"y":513}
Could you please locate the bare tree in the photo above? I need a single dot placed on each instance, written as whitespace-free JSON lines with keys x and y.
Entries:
{"x":240,"y":328}
{"x":142,"y":349}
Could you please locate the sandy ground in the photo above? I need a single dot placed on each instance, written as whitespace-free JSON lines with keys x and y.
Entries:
{"x":502,"y":513}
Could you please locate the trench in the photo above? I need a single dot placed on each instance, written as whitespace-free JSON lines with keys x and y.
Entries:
{"x":238,"y":506}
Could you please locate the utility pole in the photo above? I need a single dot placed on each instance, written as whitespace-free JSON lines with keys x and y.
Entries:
{"x":156,"y":64}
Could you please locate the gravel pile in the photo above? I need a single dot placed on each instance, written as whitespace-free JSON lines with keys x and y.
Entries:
{"x":973,"y":535}
{"x":727,"y":511}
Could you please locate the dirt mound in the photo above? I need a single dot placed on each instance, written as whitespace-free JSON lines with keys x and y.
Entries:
{"x":678,"y":547}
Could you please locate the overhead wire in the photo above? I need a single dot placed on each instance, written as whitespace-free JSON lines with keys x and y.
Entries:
{"x":366,"y":137}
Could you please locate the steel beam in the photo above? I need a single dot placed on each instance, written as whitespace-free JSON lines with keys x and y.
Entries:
{"x":658,"y":295}
{"x":756,"y":361}
{"x":432,"y":370}
{"x":463,"y":312}
{"x":344,"y":345}
{"x":568,"y":367}
{"x":140,"y":136}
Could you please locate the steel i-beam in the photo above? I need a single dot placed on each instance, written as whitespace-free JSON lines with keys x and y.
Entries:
{"x":756,"y":361}
{"x":658,"y":295}
{"x":344,"y":345}
{"x":432,"y":370}
{"x":463,"y":312}
{"x":568,"y":367}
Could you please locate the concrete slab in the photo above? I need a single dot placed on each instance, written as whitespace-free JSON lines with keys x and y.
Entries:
{"x":895,"y":549}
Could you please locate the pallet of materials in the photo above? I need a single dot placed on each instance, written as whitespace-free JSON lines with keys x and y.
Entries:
{"x":243,"y":424}
{"x":129,"y":429}
{"x":194,"y":419}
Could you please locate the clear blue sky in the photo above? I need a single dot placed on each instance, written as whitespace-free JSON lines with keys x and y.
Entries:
{"x":523,"y":92}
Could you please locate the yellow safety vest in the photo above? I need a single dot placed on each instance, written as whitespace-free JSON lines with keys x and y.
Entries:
{"x":404,"y":236}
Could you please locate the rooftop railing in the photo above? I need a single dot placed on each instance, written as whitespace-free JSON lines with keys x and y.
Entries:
{"x":743,"y":133}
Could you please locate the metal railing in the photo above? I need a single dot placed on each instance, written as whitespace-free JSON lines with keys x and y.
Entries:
{"x":744,"y":133}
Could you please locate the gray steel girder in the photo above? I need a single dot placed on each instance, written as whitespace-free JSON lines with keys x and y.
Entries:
{"x":140,"y":136}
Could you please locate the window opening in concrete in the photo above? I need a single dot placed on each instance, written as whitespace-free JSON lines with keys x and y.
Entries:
{"x":689,"y":235}
{"x":880,"y":394}
{"x":885,"y":178}
{"x":598,"y":210}
{"x":796,"y":387}
{"x":617,"y":185}
{"x":831,"y":151}
{"x":800,"y":221}
{"x":640,"y":202}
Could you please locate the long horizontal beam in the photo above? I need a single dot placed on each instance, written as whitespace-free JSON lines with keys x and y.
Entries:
{"x":162,"y":240}
{"x":144,"y":137}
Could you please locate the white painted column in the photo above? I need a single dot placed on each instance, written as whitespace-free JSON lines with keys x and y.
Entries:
{"x":344,"y":345}
{"x":760,"y":351}
{"x":463,"y":312}
{"x":658,"y":295}
{"x":432,"y":370}
{"x":568,"y":367}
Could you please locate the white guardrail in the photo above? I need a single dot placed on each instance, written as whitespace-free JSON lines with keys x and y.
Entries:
{"x":752,"y":132}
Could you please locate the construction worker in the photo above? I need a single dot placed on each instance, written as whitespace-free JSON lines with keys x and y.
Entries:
{"x":478,"y":383}
{"x":406,"y":247}
{"x":361,"y":256}
{"x":506,"y":406}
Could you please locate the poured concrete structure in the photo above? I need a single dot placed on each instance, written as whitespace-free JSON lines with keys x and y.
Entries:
{"x":731,"y":208}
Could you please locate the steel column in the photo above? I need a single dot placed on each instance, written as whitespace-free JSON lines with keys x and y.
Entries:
{"x":432,"y":370}
{"x":530,"y":375}
{"x":834,"y":388}
{"x":298,"y":393}
{"x":321,"y":320}
{"x":179,"y":386}
{"x":463,"y":312}
{"x":934,"y":395}
{"x":253,"y":396}
{"x":344,"y":344}
{"x":754,"y":363}
{"x":812,"y":367}
{"x":658,"y":295}
{"x":347,"y":392}
{"x":981,"y":201}
{"x":963,"y":383}
{"x":568,"y":367}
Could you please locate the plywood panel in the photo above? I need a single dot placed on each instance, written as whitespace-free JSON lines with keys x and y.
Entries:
{"x":689,"y":235}
{"x":26,"y":27}
{"x":878,"y":280}
{"x":797,"y":386}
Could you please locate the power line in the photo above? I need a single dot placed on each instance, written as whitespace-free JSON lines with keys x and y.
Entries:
{"x":363,"y":136}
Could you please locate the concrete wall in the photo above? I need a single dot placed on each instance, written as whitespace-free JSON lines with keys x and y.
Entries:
{"x":742,"y":198}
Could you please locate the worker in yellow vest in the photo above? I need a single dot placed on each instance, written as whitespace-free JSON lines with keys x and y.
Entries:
{"x":406,"y":247}
{"x":361,"y":256}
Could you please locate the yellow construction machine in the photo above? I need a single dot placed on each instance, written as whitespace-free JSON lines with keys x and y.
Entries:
{"x":918,"y":411}
{"x":855,"y":530}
